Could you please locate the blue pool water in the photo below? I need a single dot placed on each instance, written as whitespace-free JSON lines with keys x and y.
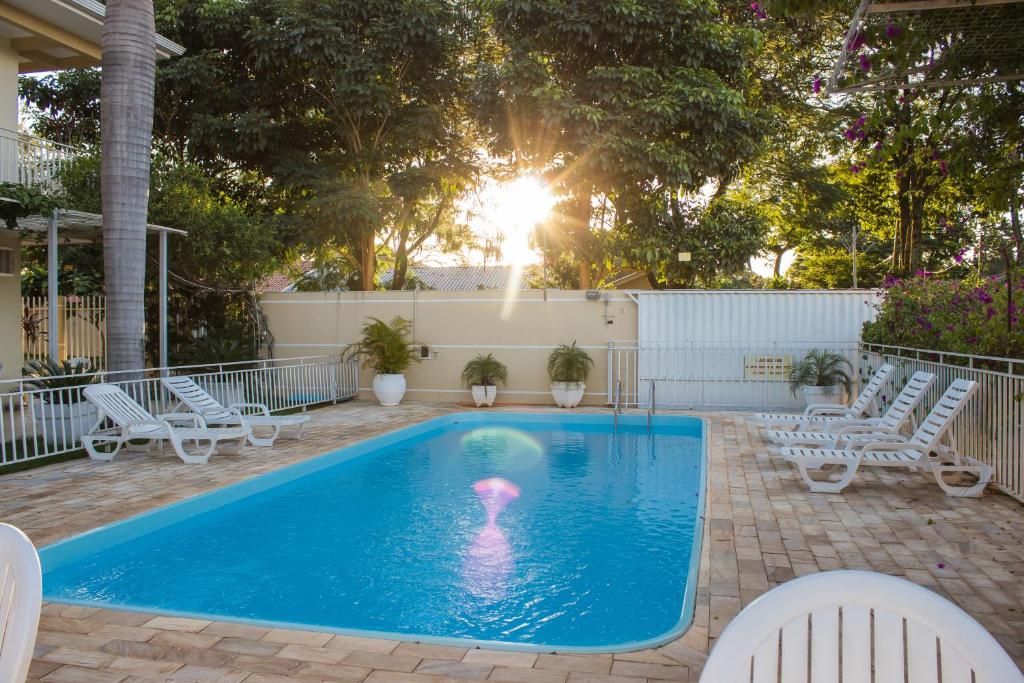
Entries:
{"x":526,"y":530}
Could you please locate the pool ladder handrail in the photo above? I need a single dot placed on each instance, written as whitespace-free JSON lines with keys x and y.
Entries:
{"x":617,"y":408}
{"x":650,"y":407}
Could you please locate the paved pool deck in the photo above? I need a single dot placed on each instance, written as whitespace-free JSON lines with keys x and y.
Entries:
{"x":762,"y":528}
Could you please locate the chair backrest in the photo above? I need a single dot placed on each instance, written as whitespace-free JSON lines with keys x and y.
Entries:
{"x":21,"y":595}
{"x":904,"y":405}
{"x":933,"y":428}
{"x":121,"y":408}
{"x":197,"y":399}
{"x":871,"y":389}
{"x":862,"y":626}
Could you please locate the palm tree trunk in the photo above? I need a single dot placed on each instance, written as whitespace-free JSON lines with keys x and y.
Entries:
{"x":126,"y":113}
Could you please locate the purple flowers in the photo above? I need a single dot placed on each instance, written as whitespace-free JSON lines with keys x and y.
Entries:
{"x":758,"y":12}
{"x":865,"y":63}
{"x":892,"y":30}
{"x":816,"y":86}
{"x":856,"y":43}
{"x":943,"y":168}
{"x":959,"y":258}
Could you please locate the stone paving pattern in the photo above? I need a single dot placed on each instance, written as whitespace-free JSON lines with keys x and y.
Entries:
{"x":762,"y":528}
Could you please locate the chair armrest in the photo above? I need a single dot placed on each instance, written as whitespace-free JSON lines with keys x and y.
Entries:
{"x":261,"y":407}
{"x":861,"y":430}
{"x":818,"y":409}
{"x":845,"y":424}
{"x":892,"y":447}
{"x":196,"y":419}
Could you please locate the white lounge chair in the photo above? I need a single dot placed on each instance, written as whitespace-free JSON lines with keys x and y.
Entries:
{"x":198,"y":401}
{"x":835,"y":433}
{"x":934,"y":435}
{"x":819,"y":414}
{"x":132,"y":422}
{"x":21,"y":596}
{"x":860,"y":626}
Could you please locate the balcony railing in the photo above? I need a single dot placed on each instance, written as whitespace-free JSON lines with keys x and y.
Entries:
{"x":29,"y":160}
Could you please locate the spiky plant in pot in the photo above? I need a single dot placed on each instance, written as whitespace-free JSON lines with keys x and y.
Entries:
{"x":481,"y":376}
{"x":568,"y":367}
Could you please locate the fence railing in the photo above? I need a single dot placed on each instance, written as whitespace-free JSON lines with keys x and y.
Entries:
{"x":991,"y":428}
{"x":710,"y":375}
{"x":29,"y":160}
{"x":41,"y":422}
{"x":81,"y":329}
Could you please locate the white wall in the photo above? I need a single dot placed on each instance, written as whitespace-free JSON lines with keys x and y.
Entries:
{"x":8,"y":111}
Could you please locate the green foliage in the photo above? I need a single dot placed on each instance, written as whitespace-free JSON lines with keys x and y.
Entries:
{"x":976,"y":315}
{"x":28,"y":201}
{"x":65,"y":377}
{"x":65,"y":105}
{"x":484,"y":370}
{"x":820,"y":368}
{"x":569,"y":363}
{"x":385,"y":347}
{"x":213,"y":350}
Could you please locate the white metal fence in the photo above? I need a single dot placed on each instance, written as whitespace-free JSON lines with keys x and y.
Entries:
{"x":991,"y":428}
{"x":29,"y":160}
{"x":710,"y":375}
{"x":81,"y":329}
{"x":37,"y":422}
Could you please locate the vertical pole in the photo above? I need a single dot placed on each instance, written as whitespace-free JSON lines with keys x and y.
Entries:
{"x":853,"y":255}
{"x":52,"y":300}
{"x":162,"y":295}
{"x":544,"y":261}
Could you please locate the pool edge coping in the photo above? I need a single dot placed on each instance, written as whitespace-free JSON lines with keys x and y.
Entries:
{"x":292,"y":471}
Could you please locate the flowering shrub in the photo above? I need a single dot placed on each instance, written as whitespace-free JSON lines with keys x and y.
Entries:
{"x":973,"y":315}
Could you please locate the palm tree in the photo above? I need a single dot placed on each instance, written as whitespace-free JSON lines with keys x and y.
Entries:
{"x":126,"y":115}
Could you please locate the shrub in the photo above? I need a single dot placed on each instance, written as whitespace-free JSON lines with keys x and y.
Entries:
{"x":820,"y":369}
{"x":569,"y":364}
{"x":974,"y":315}
{"x":385,"y":347}
{"x":484,"y":371}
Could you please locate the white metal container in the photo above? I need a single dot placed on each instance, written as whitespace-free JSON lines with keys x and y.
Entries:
{"x":567,"y":394}
{"x":484,"y":395}
{"x":389,"y":389}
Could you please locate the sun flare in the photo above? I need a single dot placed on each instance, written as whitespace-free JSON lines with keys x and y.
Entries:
{"x":514,"y":208}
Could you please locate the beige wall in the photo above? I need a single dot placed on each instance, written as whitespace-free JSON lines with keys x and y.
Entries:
{"x":459,"y":325}
{"x":8,"y":111}
{"x":10,"y":309}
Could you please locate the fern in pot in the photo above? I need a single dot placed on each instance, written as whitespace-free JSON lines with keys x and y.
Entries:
{"x":61,"y":413}
{"x":822,"y":376}
{"x":387,"y":349}
{"x":568,"y":367}
{"x":481,"y":376}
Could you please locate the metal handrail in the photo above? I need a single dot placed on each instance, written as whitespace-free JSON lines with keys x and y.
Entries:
{"x":650,"y":407}
{"x":617,"y":408}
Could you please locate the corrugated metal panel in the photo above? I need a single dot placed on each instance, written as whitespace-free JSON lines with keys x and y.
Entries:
{"x":741,"y":317}
{"x":696,"y":346}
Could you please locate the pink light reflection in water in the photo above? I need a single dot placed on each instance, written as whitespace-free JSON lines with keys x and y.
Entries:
{"x":488,"y":562}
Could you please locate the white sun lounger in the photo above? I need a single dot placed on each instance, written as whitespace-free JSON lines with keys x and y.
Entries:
{"x":932,"y":436}
{"x":820,"y":414}
{"x":133,"y":422}
{"x":898,"y":415}
{"x":21,"y":597}
{"x":199,"y":401}
{"x":857,"y":627}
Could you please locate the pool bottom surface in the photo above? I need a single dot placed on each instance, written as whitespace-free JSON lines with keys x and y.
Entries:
{"x":561,"y":535}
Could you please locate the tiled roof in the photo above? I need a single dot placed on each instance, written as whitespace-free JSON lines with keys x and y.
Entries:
{"x":459,"y":278}
{"x":282,"y":280}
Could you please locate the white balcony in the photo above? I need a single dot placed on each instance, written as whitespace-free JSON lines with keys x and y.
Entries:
{"x":29,"y":160}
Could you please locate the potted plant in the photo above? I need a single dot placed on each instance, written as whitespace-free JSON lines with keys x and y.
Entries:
{"x":481,"y":375}
{"x":568,"y":367}
{"x":821,"y":375}
{"x":387,"y":349}
{"x":61,"y":413}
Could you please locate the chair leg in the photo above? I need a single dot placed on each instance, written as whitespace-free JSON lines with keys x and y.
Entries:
{"x":233,"y":447}
{"x":828,"y":486}
{"x":982,"y":471}
{"x":266,"y":440}
{"x":201,"y":459}
{"x":89,"y":443}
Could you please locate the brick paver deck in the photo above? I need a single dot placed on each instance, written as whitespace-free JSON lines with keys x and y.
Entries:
{"x":762,"y":528}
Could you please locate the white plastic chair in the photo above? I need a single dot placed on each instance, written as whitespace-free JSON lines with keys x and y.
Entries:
{"x":133,"y":422}
{"x":199,"y":401}
{"x":854,"y":624}
{"x":898,"y":415}
{"x":21,"y":595}
{"x":819,"y":414}
{"x":934,"y":435}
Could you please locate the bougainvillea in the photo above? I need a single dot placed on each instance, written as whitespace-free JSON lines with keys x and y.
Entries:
{"x":975,"y":315}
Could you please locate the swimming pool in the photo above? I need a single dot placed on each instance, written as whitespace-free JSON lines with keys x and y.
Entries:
{"x":520,"y":531}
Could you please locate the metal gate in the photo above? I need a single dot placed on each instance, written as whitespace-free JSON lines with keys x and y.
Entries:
{"x":731,"y":349}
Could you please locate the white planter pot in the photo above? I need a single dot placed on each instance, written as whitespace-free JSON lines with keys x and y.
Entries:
{"x":63,"y":424}
{"x":484,"y":395}
{"x":832,"y":395}
{"x":389,"y":389}
{"x":567,"y":394}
